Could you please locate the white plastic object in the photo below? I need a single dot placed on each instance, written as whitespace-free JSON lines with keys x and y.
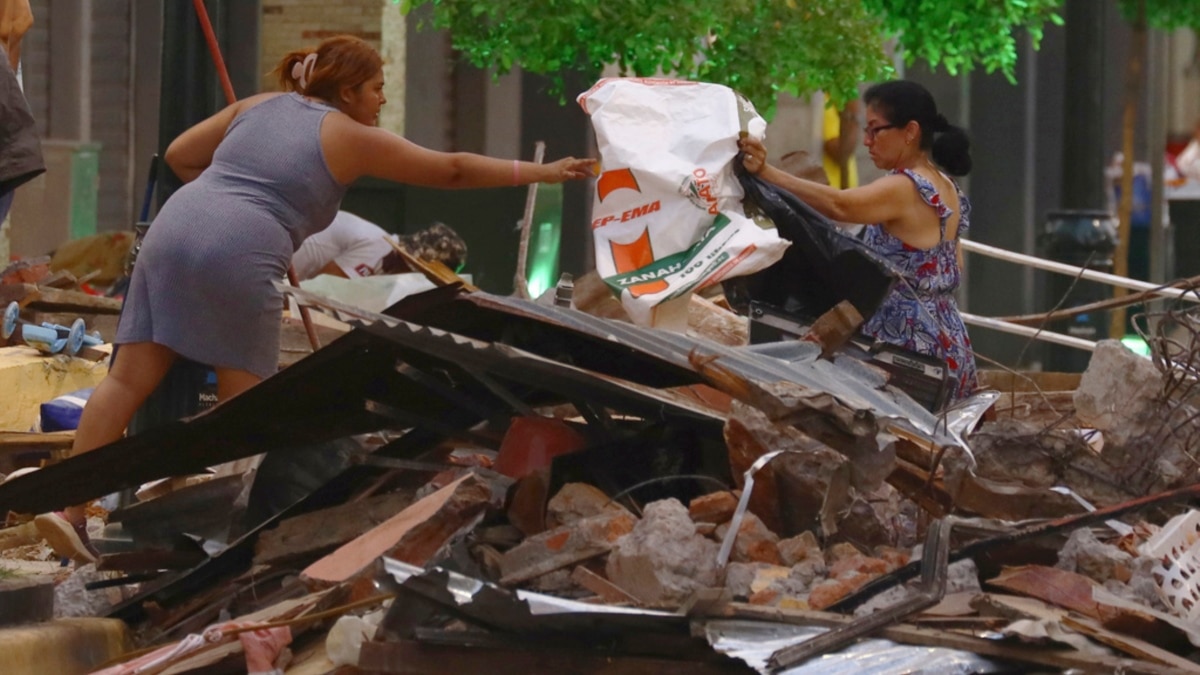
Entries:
{"x":667,"y":215}
{"x":1176,"y":547}
{"x":345,"y":639}
{"x":1188,"y":161}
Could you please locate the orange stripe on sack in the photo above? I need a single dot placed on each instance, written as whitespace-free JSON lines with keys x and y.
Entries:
{"x":636,"y":255}
{"x":615,"y":180}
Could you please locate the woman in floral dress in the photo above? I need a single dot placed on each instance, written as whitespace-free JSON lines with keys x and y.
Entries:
{"x":918,"y":213}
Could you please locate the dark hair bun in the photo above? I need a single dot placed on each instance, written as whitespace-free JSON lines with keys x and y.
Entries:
{"x":952,"y":151}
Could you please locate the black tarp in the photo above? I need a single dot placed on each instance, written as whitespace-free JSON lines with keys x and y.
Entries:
{"x":821,"y":268}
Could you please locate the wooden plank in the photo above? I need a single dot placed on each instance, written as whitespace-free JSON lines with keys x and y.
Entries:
{"x":411,"y":536}
{"x":45,"y":298}
{"x":928,"y":637}
{"x":322,"y":531}
{"x":53,"y":446}
{"x":13,"y":442}
{"x":1130,"y":645}
{"x":22,"y":294}
{"x":434,"y":270}
{"x":105,"y":322}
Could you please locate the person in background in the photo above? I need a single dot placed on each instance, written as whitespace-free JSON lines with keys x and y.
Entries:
{"x":438,"y":242}
{"x":355,"y":247}
{"x":840,"y":136}
{"x":260,"y":176}
{"x":918,"y":213}
{"x":20,"y":146}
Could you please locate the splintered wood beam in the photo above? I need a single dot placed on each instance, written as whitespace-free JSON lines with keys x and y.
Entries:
{"x":1063,"y":658}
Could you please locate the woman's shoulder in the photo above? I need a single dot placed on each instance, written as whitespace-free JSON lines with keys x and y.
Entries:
{"x":258,"y":99}
{"x":929,"y":191}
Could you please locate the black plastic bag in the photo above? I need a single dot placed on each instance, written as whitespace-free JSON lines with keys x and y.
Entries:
{"x":821,"y":268}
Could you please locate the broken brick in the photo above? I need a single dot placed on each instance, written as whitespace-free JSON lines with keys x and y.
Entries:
{"x":803,"y":546}
{"x":715,"y":507}
{"x":858,"y":563}
{"x":754,"y":542}
{"x":527,"y":507}
{"x":576,"y":501}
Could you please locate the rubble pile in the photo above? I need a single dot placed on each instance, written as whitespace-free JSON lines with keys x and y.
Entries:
{"x":474,"y":482}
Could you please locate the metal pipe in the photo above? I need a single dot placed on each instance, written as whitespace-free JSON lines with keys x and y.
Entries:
{"x":1026,"y":331}
{"x":1071,"y":270}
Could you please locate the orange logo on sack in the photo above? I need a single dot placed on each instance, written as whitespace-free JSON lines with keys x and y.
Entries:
{"x":616,"y":179}
{"x":636,"y":255}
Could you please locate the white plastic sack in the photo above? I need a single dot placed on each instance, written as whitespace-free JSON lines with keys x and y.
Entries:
{"x":667,"y":218}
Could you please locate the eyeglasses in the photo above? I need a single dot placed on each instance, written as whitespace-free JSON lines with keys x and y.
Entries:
{"x":870,"y":132}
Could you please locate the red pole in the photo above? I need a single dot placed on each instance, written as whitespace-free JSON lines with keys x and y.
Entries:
{"x":215,"y":50}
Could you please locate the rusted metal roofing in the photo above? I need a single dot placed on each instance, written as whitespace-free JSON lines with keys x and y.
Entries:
{"x":556,"y":355}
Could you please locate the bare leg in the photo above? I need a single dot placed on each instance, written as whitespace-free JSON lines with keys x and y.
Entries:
{"x":231,"y":382}
{"x":132,"y":378}
{"x":141,"y":366}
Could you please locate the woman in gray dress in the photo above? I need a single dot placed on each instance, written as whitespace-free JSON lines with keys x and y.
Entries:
{"x":261,"y":176}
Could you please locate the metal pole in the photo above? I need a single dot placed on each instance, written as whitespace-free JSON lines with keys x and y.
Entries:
{"x":1083,"y":107}
{"x":1072,"y":270}
{"x":1156,"y":138}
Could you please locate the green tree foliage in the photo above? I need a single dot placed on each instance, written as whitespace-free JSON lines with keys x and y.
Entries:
{"x":1165,"y":14}
{"x":759,"y":47}
{"x":958,"y":34}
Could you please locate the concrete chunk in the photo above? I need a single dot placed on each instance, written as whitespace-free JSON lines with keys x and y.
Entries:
{"x":576,"y":501}
{"x":563,"y":546}
{"x":754,"y":542}
{"x":663,"y":560}
{"x":1115,"y":387}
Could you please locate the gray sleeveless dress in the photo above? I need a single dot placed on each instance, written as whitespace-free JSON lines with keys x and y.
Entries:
{"x":203,"y":282}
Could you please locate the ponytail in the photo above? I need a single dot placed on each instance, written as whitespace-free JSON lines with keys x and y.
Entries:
{"x":339,"y":61}
{"x":294,"y":70}
{"x":952,"y":150}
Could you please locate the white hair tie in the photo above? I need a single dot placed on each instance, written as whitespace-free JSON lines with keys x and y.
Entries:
{"x":302,"y":70}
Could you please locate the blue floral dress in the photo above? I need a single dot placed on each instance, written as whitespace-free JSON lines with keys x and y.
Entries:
{"x":921,"y":313}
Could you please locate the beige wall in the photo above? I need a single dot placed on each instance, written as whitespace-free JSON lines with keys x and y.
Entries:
{"x":295,"y":24}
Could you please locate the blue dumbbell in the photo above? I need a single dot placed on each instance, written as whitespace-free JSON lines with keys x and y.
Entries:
{"x":48,"y":337}
{"x":12,"y":316}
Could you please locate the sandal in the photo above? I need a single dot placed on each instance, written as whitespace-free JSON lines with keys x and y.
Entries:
{"x":66,"y":538}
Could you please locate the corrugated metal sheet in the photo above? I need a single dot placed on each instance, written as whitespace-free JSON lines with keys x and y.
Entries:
{"x":853,"y":384}
{"x":780,"y":378}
